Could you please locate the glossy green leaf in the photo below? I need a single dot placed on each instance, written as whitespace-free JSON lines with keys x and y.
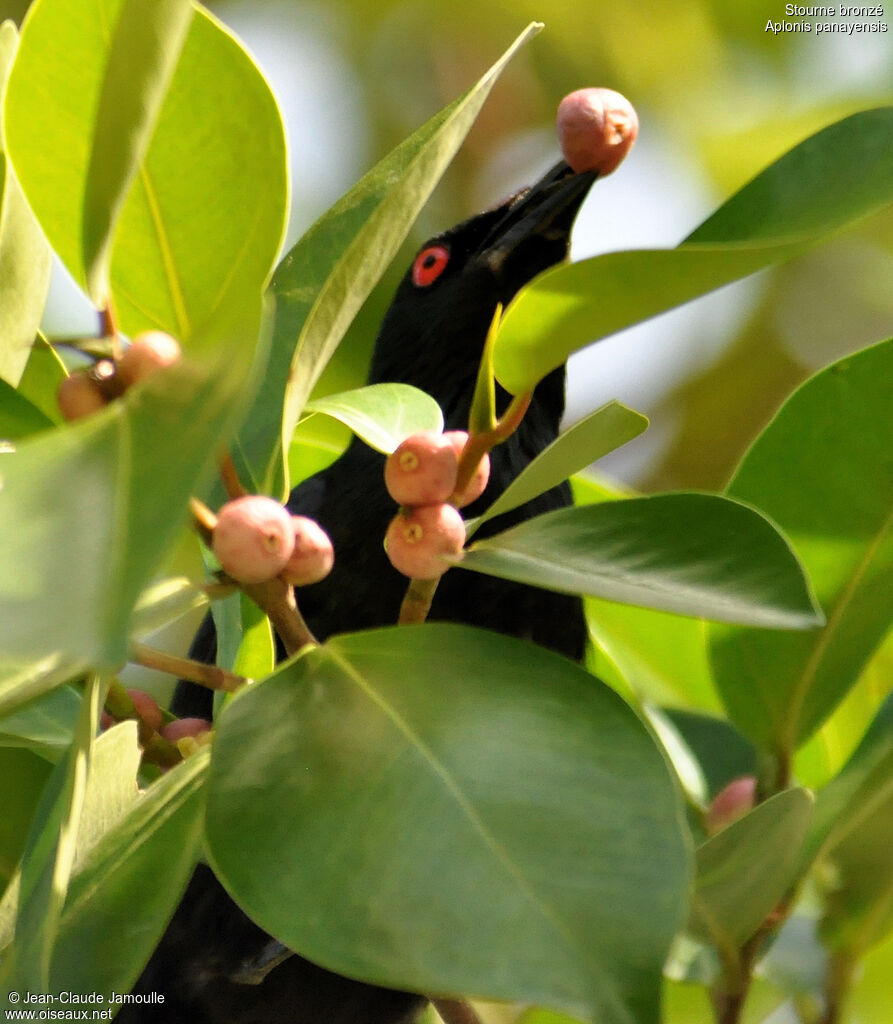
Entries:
{"x":43,"y":374}
{"x":586,"y":441}
{"x":832,"y":178}
{"x":860,"y":792}
{"x":382,"y":414}
{"x":256,"y":656}
{"x":204,"y":218}
{"x":24,"y":252}
{"x":721,"y":751}
{"x":127,"y":474}
{"x":823,"y":756}
{"x":18,"y":417}
{"x":22,"y":777}
{"x":49,"y":857}
{"x":105,"y":936}
{"x":145,"y":45}
{"x":44,"y":726}
{"x":25,"y":679}
{"x":744,"y":870}
{"x":820,"y":473}
{"x":662,"y":657}
{"x":463,"y":813}
{"x":324,"y":280}
{"x":688,"y":553}
{"x":165,"y":602}
{"x":859,"y":907}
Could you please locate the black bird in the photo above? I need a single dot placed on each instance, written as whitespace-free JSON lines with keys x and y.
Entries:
{"x":214,"y":965}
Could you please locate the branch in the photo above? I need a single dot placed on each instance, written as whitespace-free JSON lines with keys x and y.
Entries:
{"x":456,"y":1011}
{"x":212,"y":676}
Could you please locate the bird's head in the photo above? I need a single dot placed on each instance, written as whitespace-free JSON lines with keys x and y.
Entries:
{"x":434,"y":331}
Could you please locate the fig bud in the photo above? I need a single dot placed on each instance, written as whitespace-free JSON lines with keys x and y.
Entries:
{"x":596,"y":129}
{"x":419,"y":540}
{"x":422,"y":470}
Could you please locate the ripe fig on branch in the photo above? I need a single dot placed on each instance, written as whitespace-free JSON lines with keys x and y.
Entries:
{"x":313,"y":555}
{"x":420,"y":539}
{"x":253,"y":539}
{"x":422,"y":469}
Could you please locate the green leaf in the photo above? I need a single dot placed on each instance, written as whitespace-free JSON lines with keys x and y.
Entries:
{"x":836,"y":176}
{"x":22,"y":777}
{"x":861,"y":790}
{"x":49,"y":857}
{"x":592,"y":437}
{"x":18,"y":417}
{"x":165,"y":602}
{"x":44,"y":372}
{"x":464,"y":813}
{"x":46,"y":725}
{"x":382,"y":414}
{"x":203,"y":220}
{"x":745,"y":869}
{"x":326,"y":277}
{"x":820,"y":473}
{"x":24,"y":253}
{"x":256,"y":656}
{"x":662,"y":657}
{"x":721,"y":751}
{"x":145,"y":45}
{"x":24,"y":680}
{"x":127,"y":473}
{"x":112,"y":918}
{"x":688,"y":553}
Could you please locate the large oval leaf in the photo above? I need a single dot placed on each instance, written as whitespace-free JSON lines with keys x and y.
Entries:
{"x":820,"y":472}
{"x":204,"y":218}
{"x":832,"y":178}
{"x":461,"y":812}
{"x":145,"y":46}
{"x":24,"y":253}
{"x":693,"y":554}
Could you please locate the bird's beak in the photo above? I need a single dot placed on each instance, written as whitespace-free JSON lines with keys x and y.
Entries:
{"x":543,"y":214}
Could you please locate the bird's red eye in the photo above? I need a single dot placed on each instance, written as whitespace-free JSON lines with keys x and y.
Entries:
{"x":429,"y":265}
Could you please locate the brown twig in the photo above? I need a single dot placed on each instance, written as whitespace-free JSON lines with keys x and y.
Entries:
{"x":456,"y":1011}
{"x":230,"y":477}
{"x":212,"y":676}
{"x":417,"y":601}
{"x":203,"y":519}
{"x":276,"y":599}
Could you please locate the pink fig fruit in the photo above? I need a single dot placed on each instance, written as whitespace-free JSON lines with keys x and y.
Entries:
{"x":596,"y":129}
{"x":421,"y":470}
{"x":313,"y":555}
{"x":254,"y":538}
{"x":478,"y":483}
{"x":419,"y":540}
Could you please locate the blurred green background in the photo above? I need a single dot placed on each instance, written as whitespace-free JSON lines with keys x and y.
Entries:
{"x":719,"y":95}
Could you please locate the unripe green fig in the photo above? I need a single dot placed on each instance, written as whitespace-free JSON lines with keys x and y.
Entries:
{"x":313,"y":555}
{"x":596,"y":129}
{"x":422,"y":469}
{"x":419,"y":539}
{"x":254,"y":538}
{"x":478,"y":483}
